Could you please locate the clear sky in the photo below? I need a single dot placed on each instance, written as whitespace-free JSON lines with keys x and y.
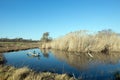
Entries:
{"x":31,"y":18}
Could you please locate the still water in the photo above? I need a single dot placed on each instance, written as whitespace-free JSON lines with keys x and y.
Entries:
{"x":99,"y":67}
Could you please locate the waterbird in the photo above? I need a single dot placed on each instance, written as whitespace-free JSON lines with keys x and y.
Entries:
{"x":33,"y":54}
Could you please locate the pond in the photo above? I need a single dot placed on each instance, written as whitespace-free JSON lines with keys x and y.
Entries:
{"x":98,"y":67}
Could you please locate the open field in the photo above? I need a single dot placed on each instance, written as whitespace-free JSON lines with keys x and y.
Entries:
{"x":15,"y":46}
{"x":82,"y":41}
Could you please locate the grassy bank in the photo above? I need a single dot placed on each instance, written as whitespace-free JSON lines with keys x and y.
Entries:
{"x":82,"y":41}
{"x":15,"y":46}
{"x":11,"y":73}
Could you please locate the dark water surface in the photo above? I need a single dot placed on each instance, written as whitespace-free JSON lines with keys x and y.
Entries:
{"x":100,"y":67}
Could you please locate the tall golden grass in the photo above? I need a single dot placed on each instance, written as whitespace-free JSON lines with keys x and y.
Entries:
{"x":82,"y":41}
{"x":11,"y":73}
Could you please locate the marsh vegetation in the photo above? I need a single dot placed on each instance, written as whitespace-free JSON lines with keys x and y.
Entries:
{"x":76,"y":65}
{"x":78,"y":51}
{"x":12,"y":73}
{"x":81,"y":41}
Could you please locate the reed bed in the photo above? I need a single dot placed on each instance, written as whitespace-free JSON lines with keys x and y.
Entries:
{"x":83,"y":41}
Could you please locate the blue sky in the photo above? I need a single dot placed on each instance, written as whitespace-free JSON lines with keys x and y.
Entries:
{"x":31,"y":18}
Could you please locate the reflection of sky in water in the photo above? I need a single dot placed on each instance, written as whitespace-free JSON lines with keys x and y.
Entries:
{"x":91,"y":69}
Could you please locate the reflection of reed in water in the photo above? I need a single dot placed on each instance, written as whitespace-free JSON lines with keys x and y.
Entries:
{"x":112,"y":58}
{"x":77,"y":61}
{"x":82,"y":60}
{"x":45,"y":52}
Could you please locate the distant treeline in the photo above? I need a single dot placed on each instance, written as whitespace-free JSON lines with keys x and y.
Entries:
{"x":17,"y":40}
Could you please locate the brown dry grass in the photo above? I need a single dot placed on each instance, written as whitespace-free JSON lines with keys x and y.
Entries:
{"x":14,"y":46}
{"x":11,"y":73}
{"x":82,"y":41}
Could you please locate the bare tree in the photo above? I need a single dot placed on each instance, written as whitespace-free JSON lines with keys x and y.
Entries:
{"x":45,"y":37}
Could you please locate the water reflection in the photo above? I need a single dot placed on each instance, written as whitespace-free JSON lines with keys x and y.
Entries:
{"x":79,"y":64}
{"x":45,"y":52}
{"x":83,"y":60}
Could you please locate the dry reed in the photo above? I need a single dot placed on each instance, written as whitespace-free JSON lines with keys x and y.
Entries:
{"x":82,"y":41}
